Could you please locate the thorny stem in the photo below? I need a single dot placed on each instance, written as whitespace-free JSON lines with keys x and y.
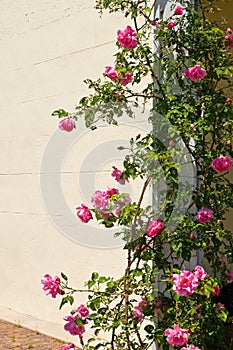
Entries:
{"x":113,"y":330}
{"x":129,"y":259}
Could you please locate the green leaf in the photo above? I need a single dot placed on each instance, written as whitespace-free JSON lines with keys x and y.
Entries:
{"x":102,"y":279}
{"x":60,"y":113}
{"x":149,"y":328}
{"x":64,"y":276}
{"x":67,"y":299}
{"x":94,"y":276}
{"x":137,"y":272}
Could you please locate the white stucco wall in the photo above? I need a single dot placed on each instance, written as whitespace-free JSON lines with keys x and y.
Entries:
{"x":48,"y":47}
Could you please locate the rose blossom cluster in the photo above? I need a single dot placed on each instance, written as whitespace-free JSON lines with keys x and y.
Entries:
{"x":195,"y":73}
{"x":178,"y":12}
{"x":51,"y":285}
{"x":176,"y":336}
{"x":76,"y":323}
{"x":186,"y":282}
{"x":112,"y":74}
{"x":105,"y":204}
{"x":222,"y":163}
{"x":229,"y":38}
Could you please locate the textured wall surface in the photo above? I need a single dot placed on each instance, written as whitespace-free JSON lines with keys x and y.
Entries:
{"x":48,"y":48}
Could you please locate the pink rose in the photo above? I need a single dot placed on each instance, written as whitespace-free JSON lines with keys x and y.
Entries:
{"x":204,"y":215}
{"x":220,"y":307}
{"x":178,"y":11}
{"x":176,"y":336}
{"x":72,"y":327}
{"x":222,"y":163}
{"x":70,"y":346}
{"x":154,"y":228}
{"x":155,"y":22}
{"x":185,"y":283}
{"x":117,"y":174}
{"x":171,"y":24}
{"x":229,"y":38}
{"x":138,"y":314}
{"x":127,"y":38}
{"x":100,"y":201}
{"x":111,"y":72}
{"x":200,"y":273}
{"x":193,"y":127}
{"x":216,"y":291}
{"x":229,"y":100}
{"x":191,"y":347}
{"x":223,"y":259}
{"x":126,"y":78}
{"x":104,"y":215}
{"x":142,"y":303}
{"x":230,"y":276}
{"x":66,"y":124}
{"x":84,"y":213}
{"x":51,"y":285}
{"x":111,"y":191}
{"x":229,"y":31}
{"x":195,"y":73}
{"x":83,"y":311}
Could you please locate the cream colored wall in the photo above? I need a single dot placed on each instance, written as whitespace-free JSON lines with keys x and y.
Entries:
{"x":47,"y":48}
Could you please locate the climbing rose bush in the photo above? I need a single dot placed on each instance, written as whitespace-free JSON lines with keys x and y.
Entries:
{"x":181,"y":66}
